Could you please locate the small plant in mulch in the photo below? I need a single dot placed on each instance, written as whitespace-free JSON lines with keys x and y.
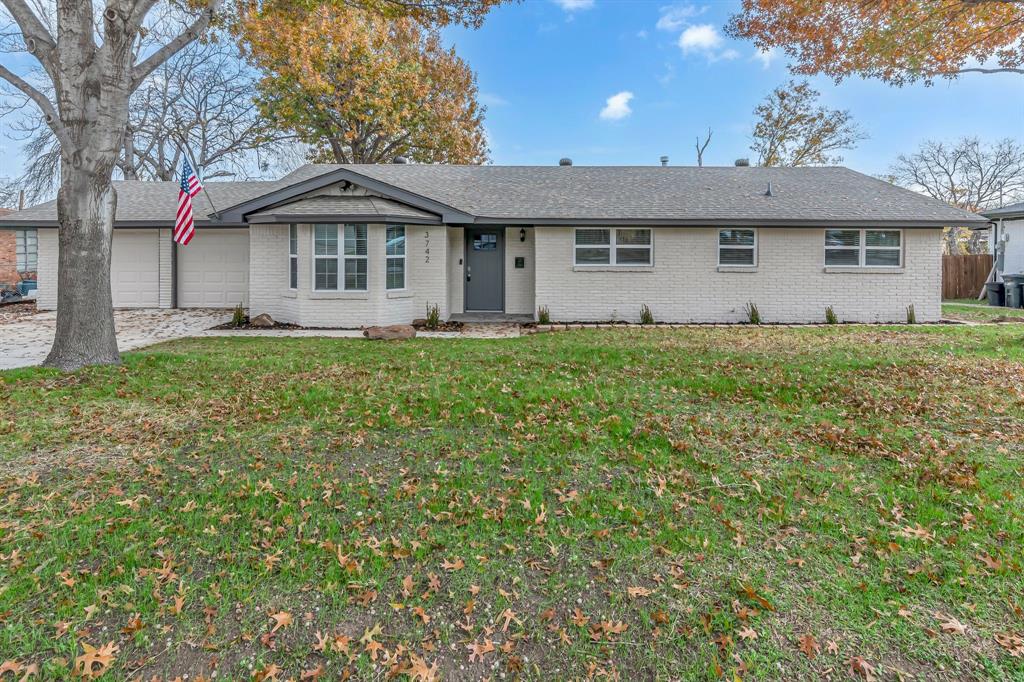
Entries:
{"x":543,"y":315}
{"x":433,"y":317}
{"x":646,"y":316}
{"x":753,"y":314}
{"x":239,"y":318}
{"x":830,"y":316}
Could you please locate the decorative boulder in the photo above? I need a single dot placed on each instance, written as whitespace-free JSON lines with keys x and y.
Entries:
{"x":395,"y":331}
{"x":419,"y":322}
{"x":263,"y":320}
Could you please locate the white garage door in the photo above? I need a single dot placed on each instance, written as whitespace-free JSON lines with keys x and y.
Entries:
{"x":213,"y":270}
{"x":135,"y":268}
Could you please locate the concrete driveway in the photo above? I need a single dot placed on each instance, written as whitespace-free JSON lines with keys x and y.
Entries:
{"x":26,"y":339}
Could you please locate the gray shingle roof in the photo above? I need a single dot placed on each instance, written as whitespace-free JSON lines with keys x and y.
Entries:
{"x":142,"y":202}
{"x":552,"y":194}
{"x":1011,"y":211}
{"x":354,"y":209}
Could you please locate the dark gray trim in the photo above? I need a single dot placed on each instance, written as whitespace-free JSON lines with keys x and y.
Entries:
{"x":448,"y":214}
{"x":118,"y":225}
{"x":719,"y":222}
{"x":275,"y":218}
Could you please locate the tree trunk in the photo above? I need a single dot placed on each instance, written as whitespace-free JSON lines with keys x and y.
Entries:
{"x":85,"y":315}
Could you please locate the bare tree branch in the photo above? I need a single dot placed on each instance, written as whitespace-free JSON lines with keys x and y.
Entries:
{"x":41,"y":101}
{"x":38,"y":39}
{"x":146,"y":66}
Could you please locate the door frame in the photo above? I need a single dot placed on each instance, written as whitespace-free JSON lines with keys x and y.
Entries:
{"x":466,"y":249}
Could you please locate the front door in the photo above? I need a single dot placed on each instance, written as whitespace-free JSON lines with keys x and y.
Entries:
{"x":485,"y":258}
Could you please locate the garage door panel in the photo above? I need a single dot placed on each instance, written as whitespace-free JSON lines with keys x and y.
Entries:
{"x":213,"y":270}
{"x":135,"y":269}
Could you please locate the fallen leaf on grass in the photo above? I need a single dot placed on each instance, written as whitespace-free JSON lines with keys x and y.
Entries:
{"x":746,"y":632}
{"x":86,"y":664}
{"x":1013,"y":644}
{"x":638,"y":592}
{"x":809,"y":645}
{"x":282,"y":619}
{"x":456,"y":565}
{"x":953,"y":626}
{"x":862,"y":669}
{"x":477,"y":651}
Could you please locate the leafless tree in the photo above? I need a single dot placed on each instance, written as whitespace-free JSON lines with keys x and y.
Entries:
{"x":92,"y":60}
{"x":202,"y":98}
{"x":969,"y":174}
{"x":792,"y":129}
{"x":701,"y":147}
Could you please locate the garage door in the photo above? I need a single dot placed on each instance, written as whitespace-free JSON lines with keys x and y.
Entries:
{"x":135,"y":268}
{"x":213,"y":270}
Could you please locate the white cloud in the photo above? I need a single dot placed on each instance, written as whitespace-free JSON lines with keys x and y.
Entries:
{"x":641,"y":34}
{"x":700,"y":38}
{"x":617,"y":107}
{"x":574,"y":5}
{"x":766,"y":56}
{"x":674,"y":17}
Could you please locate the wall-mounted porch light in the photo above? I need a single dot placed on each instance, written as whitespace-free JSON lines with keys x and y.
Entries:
{"x":522,"y":234}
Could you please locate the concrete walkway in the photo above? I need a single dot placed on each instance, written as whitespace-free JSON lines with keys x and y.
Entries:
{"x":26,"y":339}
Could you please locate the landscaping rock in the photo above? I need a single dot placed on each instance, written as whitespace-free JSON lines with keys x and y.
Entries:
{"x":419,"y":322}
{"x":395,"y":331}
{"x":262,"y":321}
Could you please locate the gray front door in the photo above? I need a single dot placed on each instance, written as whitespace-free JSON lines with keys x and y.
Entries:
{"x":485,"y":260}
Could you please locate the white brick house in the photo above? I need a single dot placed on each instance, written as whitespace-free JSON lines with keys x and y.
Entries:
{"x":348,"y":246}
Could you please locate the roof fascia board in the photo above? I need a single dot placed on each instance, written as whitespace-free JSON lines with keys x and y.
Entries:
{"x":448,"y":214}
{"x":283,"y":218}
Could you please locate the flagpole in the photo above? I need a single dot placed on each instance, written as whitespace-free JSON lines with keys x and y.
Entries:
{"x":197,"y":170}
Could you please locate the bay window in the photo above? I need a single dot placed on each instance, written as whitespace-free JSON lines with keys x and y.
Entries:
{"x":394,"y":254}
{"x":347,"y":263}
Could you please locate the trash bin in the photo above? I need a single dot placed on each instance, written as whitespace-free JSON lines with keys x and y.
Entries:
{"x":996,"y":293}
{"x":1014,"y":296}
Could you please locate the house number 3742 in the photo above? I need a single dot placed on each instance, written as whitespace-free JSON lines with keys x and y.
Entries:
{"x":426,"y":246}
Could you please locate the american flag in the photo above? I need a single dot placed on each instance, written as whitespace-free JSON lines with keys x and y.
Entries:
{"x":184,"y":226}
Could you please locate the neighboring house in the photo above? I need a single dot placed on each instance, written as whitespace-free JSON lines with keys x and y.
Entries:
{"x":17,"y":254}
{"x":352,"y":245}
{"x":1008,"y":228}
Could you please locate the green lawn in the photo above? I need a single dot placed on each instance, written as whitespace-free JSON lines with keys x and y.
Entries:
{"x":979,"y":312}
{"x":747,"y":503}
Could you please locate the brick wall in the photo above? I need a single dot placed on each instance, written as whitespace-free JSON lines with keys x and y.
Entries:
{"x":519,"y":283}
{"x":789,"y":284}
{"x":8,"y":260}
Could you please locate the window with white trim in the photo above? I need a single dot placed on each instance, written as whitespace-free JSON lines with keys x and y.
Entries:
{"x":293,"y":256}
{"x":619,"y":246}
{"x":346,"y":264}
{"x":26,"y":247}
{"x":864,"y":248}
{"x":394,"y":254}
{"x":737,"y":247}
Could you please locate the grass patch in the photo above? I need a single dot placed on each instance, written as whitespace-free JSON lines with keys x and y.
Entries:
{"x":979,"y":313}
{"x":641,"y":504}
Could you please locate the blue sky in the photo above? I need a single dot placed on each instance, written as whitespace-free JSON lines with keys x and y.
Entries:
{"x":547,"y":68}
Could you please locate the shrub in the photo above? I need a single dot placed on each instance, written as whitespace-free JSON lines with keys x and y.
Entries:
{"x":543,"y":315}
{"x":911,"y":315}
{"x":753,"y":315}
{"x":646,"y":316}
{"x":239,"y":318}
{"x":433,"y":316}
{"x":830,"y":316}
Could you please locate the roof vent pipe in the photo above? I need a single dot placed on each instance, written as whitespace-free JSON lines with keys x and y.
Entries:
{"x":769,"y":192}
{"x":565,"y":162}
{"x":401,"y":160}
{"x":664,"y":161}
{"x":743,"y":162}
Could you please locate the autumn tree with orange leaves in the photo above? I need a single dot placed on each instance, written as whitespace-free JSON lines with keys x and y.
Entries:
{"x":362,"y":87}
{"x":897,"y":41}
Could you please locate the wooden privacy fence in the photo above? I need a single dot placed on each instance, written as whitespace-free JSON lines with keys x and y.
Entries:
{"x":964,"y":275}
